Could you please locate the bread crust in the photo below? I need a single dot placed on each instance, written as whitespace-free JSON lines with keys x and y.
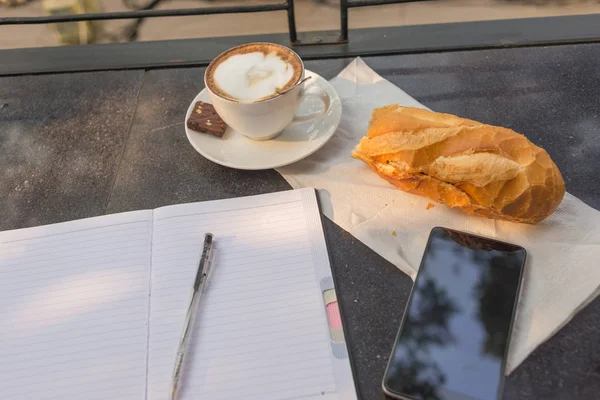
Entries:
{"x":481,"y":169}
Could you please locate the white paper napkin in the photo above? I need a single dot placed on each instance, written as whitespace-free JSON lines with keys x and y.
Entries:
{"x":562,"y":273}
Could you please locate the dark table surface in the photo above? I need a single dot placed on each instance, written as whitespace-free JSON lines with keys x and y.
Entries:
{"x":87,"y":144}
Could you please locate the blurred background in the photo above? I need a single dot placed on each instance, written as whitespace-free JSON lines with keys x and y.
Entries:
{"x":311,"y":15}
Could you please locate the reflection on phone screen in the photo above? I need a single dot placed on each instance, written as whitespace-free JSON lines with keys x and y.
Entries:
{"x":455,"y":335}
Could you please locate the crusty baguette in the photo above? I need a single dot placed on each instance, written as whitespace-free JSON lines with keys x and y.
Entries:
{"x":481,"y":169}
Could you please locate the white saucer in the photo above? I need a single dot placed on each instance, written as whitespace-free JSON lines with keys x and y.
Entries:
{"x":294,"y":143}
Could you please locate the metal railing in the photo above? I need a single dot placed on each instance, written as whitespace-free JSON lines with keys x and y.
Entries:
{"x":149,"y":12}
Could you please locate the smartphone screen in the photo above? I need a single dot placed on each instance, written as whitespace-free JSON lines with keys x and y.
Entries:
{"x":453,"y":340}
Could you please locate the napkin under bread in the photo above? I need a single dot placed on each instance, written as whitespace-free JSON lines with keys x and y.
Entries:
{"x":561,"y":275}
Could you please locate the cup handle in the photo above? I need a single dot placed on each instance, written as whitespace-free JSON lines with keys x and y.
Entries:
{"x":313,"y":91}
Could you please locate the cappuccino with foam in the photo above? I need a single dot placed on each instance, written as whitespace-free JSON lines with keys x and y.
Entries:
{"x":255,"y":89}
{"x":253,"y":72}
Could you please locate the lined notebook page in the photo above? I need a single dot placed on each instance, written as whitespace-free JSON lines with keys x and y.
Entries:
{"x":261,"y":332}
{"x":74,"y":309}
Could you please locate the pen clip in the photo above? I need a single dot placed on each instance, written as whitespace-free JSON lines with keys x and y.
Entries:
{"x":204,"y":263}
{"x":208,"y":253}
{"x":209,"y":273}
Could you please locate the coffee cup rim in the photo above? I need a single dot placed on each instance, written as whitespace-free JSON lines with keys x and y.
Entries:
{"x":252,"y":101}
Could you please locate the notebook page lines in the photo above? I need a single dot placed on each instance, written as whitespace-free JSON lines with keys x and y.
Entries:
{"x":74,"y":309}
{"x":261,"y":331}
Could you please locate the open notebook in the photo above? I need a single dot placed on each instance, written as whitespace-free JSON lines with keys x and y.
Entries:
{"x":93,"y":308}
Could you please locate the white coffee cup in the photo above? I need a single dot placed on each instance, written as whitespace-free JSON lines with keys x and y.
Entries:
{"x":264,"y":119}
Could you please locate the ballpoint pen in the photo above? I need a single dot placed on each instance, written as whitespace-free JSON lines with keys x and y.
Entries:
{"x":199,"y":285}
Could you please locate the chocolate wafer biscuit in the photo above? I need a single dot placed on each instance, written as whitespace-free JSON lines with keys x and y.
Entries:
{"x":204,"y":118}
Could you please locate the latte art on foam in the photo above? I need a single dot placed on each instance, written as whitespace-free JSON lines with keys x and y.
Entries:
{"x":255,"y":75}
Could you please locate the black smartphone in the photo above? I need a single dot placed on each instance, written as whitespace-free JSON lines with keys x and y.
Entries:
{"x":454,"y":337}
